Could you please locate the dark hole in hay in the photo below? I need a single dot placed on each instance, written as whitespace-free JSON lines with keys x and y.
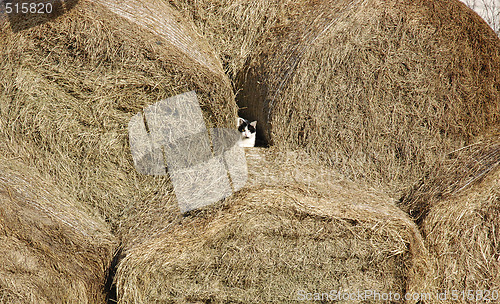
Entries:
{"x":110,"y":285}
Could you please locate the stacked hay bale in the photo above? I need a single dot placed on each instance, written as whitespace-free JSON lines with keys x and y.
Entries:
{"x":378,"y":89}
{"x":72,"y":81}
{"x":457,"y":207}
{"x":53,"y":248}
{"x":288,"y":235}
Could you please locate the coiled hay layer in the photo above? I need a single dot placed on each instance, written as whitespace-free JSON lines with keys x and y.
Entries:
{"x":380,"y":90}
{"x":53,"y":249}
{"x":457,"y":207}
{"x":71,"y":84}
{"x":270,"y":243}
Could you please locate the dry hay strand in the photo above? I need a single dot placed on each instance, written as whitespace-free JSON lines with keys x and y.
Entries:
{"x":458,"y":210}
{"x":380,"y":90}
{"x":54,"y":250}
{"x":71,"y":84}
{"x":270,"y":241}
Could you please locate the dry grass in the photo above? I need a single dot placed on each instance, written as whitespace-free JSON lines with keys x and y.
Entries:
{"x":70,"y":86}
{"x":380,"y":90}
{"x":460,"y":170}
{"x":269,"y":241}
{"x":457,"y":207}
{"x":233,"y":27}
{"x":54,"y":249}
{"x":462,"y":235}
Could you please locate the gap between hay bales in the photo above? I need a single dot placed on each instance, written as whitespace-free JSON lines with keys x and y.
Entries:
{"x":457,"y":208}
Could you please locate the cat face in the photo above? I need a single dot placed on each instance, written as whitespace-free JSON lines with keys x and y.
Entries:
{"x":247,"y":129}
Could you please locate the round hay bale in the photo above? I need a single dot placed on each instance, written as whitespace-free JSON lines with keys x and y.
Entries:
{"x":54,"y":250}
{"x":457,"y":207}
{"x":279,"y":243}
{"x":378,"y":89}
{"x":71,"y":83}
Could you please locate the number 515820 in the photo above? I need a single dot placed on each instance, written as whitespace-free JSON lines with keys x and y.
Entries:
{"x":28,"y":8}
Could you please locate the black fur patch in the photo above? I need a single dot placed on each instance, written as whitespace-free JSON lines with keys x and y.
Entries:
{"x":245,"y":124}
{"x":241,"y":128}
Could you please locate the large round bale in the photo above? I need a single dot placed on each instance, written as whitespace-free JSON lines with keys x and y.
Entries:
{"x":278,"y":243}
{"x":378,"y":89}
{"x":71,"y":83}
{"x":457,"y":207}
{"x":53,"y":248}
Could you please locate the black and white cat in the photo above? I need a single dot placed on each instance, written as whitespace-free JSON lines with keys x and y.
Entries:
{"x":247,"y":130}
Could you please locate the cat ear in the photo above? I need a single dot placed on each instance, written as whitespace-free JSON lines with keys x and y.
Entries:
{"x":253,"y":123}
{"x":239,"y":121}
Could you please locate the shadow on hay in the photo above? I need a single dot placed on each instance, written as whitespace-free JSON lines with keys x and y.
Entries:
{"x":42,"y":12}
{"x":461,"y":170}
{"x":110,"y":286}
